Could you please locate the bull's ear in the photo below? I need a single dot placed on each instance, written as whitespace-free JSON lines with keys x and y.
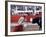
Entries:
{"x":34,"y":20}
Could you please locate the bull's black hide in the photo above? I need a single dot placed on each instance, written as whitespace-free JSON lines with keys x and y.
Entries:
{"x":38,"y":21}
